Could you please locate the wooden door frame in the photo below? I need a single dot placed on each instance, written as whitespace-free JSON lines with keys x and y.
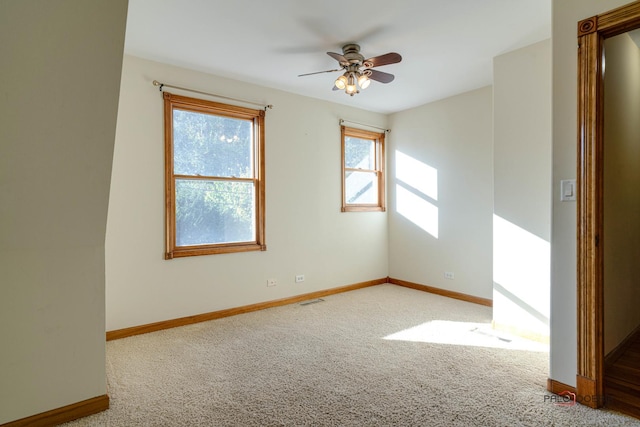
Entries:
{"x":590,"y":281}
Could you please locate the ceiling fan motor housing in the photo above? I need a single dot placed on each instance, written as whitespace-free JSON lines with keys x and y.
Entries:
{"x":351,"y":53}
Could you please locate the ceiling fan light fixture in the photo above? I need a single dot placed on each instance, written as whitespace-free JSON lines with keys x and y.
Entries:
{"x":363,"y":81}
{"x":351,"y":84}
{"x":341,"y":82}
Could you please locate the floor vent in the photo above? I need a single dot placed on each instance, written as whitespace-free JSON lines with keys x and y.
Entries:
{"x":313,"y":301}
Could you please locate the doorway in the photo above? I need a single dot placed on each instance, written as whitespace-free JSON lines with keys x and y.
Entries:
{"x":621,"y":205}
{"x":592,"y":348}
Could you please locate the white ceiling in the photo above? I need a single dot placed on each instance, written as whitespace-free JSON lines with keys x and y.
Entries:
{"x":447,"y":46}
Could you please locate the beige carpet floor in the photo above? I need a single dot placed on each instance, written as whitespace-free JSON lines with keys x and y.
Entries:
{"x":380,"y":356}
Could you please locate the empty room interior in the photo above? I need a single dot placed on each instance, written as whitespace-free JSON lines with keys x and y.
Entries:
{"x":375,"y":155}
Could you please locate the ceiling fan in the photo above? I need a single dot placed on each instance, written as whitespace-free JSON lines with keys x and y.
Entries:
{"x":358,"y":72}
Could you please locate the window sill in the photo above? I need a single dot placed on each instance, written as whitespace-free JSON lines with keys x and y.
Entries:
{"x":187,"y":251}
{"x":363,"y":209}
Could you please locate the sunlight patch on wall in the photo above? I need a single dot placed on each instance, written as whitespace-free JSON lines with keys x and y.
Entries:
{"x":417,"y":174}
{"x":417,"y":210}
{"x":417,"y":187}
{"x":521,"y":275}
{"x":466,"y":334}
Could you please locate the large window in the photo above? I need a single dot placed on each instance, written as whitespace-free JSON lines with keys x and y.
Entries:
{"x":362,"y":170}
{"x":214,"y":177}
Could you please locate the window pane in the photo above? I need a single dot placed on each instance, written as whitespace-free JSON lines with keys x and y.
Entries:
{"x":210,"y":212}
{"x":361,"y":187}
{"x":209,"y":145}
{"x":359,"y":153}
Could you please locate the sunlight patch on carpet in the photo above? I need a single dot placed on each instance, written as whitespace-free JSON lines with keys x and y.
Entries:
{"x":467,"y":334}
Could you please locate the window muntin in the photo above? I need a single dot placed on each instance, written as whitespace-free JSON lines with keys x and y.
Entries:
{"x":214,"y":177}
{"x":362,"y":170}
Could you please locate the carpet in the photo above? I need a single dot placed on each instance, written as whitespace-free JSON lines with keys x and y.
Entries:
{"x":379,"y":356}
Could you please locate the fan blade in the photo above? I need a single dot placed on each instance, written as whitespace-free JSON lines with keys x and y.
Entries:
{"x":319,"y":72}
{"x":341,"y":59}
{"x":380,"y":76}
{"x":377,"y":61}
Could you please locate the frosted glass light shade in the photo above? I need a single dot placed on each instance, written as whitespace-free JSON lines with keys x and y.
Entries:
{"x":363,"y":82}
{"x":341,"y":82}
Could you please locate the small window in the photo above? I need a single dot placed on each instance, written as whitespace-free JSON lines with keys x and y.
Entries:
{"x":214,"y":177}
{"x":362,"y":170}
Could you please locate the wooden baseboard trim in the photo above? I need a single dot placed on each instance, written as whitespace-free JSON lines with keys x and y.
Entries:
{"x":556,"y":387}
{"x":204,"y":317}
{"x":64,"y":414}
{"x":443,"y":292}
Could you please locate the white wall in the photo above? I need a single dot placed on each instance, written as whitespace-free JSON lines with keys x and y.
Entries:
{"x":522,"y":189}
{"x":621,"y":183}
{"x":305,"y":233}
{"x":60,"y":68}
{"x":565,"y":15}
{"x":440,"y":176}
{"x":57,"y":132}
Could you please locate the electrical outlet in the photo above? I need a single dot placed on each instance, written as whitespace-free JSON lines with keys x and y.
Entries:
{"x":300,"y":278}
{"x":448,"y":275}
{"x":271,"y":282}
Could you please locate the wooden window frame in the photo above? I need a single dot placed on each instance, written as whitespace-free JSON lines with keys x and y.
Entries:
{"x":378,"y":138}
{"x":172,"y":102}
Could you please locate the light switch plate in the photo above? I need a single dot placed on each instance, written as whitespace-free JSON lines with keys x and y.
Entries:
{"x":568,"y":190}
